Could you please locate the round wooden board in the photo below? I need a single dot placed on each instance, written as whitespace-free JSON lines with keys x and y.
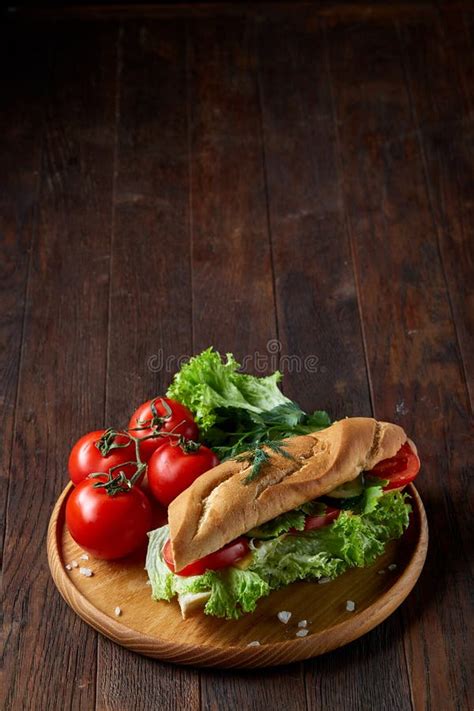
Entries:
{"x":156,"y":629}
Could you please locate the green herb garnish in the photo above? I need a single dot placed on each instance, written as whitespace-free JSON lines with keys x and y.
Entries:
{"x":258,"y":456}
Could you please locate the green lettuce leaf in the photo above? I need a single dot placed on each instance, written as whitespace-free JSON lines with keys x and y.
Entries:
{"x":232,"y":592}
{"x":352,"y":540}
{"x":282,"y":523}
{"x":207,"y":383}
{"x":236,"y":412}
{"x":164,"y":584}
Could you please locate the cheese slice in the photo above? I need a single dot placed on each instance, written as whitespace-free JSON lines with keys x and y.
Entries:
{"x":244,"y":562}
{"x":192,"y":602}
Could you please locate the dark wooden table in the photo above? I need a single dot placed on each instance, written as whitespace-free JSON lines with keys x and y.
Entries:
{"x":234,"y":175}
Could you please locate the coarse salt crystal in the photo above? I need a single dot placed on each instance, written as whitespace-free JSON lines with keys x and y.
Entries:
{"x":84,"y":556}
{"x":381,"y":572}
{"x":392,"y":566}
{"x":321,"y":581}
{"x":68,"y":566}
{"x":303,"y":623}
{"x":74,"y":563}
{"x":302,"y":633}
{"x":350,"y":606}
{"x":118,"y":611}
{"x":284,"y":616}
{"x":87,"y":572}
{"x":255,"y":643}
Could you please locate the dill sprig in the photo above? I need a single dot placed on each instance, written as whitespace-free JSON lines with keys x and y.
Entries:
{"x":258,"y":457}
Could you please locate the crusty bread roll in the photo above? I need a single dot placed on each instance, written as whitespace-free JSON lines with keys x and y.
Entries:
{"x":219,"y":507}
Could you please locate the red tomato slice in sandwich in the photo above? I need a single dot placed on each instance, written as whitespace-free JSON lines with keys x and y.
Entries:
{"x":222,"y":558}
{"x":400,"y":470}
{"x":312,"y":522}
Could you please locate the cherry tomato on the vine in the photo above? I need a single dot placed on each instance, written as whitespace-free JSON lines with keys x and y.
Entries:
{"x":222,"y":558}
{"x":174,"y":467}
{"x":161,"y":415}
{"x":108,"y":526}
{"x":85,"y":457}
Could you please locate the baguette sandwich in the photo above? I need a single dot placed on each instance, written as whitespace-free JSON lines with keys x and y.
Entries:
{"x":320,"y":504}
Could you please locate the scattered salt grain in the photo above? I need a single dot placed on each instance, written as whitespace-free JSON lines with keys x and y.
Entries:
{"x":117,"y":611}
{"x":303,"y":623}
{"x":350,"y":606}
{"x":302,"y":633}
{"x":284,"y":616}
{"x":74,"y":563}
{"x":392,"y":566}
{"x":68,"y":566}
{"x":381,"y":572}
{"x":87,"y":572}
{"x":84,"y":556}
{"x":255,"y":643}
{"x":321,"y":581}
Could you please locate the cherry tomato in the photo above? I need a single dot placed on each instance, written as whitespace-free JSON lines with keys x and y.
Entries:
{"x":222,"y":558}
{"x":400,"y":470}
{"x":168,"y":416}
{"x":172,"y":469}
{"x":85,"y":457}
{"x":108,"y":526}
{"x":312,"y":522}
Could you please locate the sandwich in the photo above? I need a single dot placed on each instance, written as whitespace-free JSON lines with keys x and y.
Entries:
{"x":314,"y":506}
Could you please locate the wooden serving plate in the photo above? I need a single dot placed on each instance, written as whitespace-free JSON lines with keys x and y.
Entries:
{"x":156,"y":629}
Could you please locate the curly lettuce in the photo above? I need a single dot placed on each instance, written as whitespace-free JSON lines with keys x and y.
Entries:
{"x":353,"y":540}
{"x":234,"y":411}
{"x":207,"y":383}
{"x":233,"y":592}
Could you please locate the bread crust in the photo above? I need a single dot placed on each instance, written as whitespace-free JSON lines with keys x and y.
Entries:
{"x":218,"y":507}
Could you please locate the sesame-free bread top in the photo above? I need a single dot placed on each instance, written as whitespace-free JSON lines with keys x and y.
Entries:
{"x":219,"y":506}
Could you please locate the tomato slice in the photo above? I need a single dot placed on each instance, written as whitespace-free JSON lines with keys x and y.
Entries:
{"x":222,"y":558}
{"x":400,"y":470}
{"x":328,"y":517}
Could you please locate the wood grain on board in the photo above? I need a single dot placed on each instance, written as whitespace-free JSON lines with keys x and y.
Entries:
{"x":413,"y":356}
{"x":316,"y":291}
{"x":62,"y":368}
{"x":115,"y":599}
{"x":233,"y":306}
{"x":150,"y":290}
{"x":233,"y":300}
{"x":21,"y":132}
{"x":237,"y":173}
{"x":439,"y":54}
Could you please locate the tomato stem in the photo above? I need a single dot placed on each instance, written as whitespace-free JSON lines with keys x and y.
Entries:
{"x":108,"y":441}
{"x":156,"y":420}
{"x":120,"y":483}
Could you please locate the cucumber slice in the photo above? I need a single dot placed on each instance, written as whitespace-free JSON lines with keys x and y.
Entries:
{"x":348,"y":490}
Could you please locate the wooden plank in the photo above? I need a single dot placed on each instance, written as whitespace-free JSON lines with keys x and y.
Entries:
{"x":232,"y":271}
{"x":150,"y":304}
{"x":63,"y":366}
{"x":317,"y":305}
{"x":232,"y":276}
{"x":415,"y":371}
{"x":315,"y":286}
{"x":440,"y":65}
{"x":333,"y":10}
{"x":21,"y":131}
